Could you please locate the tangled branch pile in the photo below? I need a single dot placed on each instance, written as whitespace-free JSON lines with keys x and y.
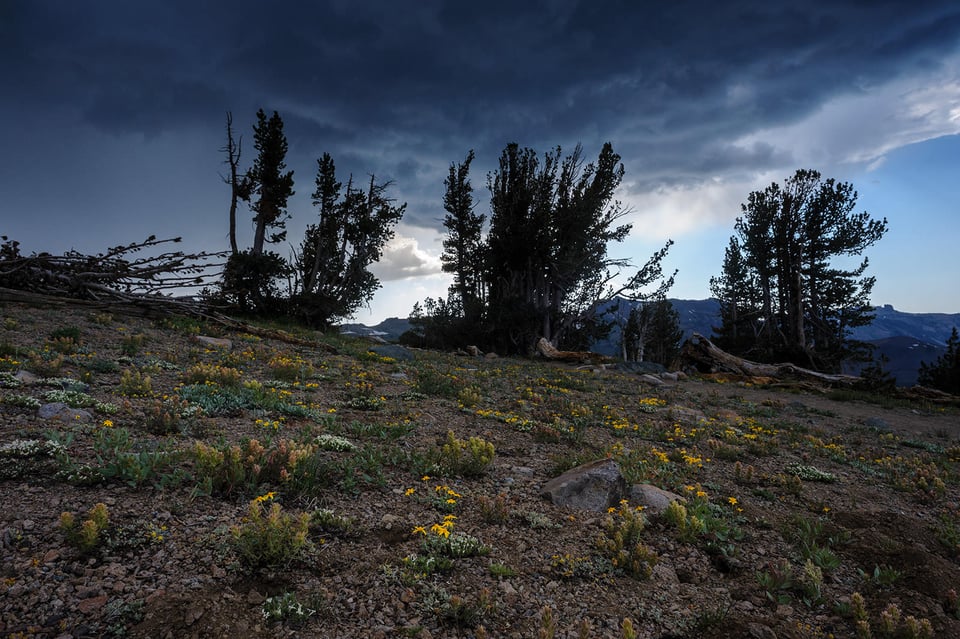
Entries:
{"x":117,"y":277}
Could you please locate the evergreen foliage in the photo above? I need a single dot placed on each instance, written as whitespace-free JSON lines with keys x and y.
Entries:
{"x":543,"y":269}
{"x":944,"y":373}
{"x":652,"y":333}
{"x":783,"y":295}
{"x":268,"y":181}
{"x":463,"y":248}
{"x":336,"y":252}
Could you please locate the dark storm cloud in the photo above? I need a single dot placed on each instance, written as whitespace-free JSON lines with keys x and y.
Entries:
{"x":403,"y":89}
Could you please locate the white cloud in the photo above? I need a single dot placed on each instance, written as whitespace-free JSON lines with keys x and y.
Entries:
{"x":862,"y":128}
{"x":404,"y":259}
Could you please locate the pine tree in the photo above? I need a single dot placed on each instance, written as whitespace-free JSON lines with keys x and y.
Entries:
{"x":740,"y":309}
{"x":268,"y":181}
{"x":664,"y":335}
{"x":463,"y":248}
{"x":251,"y":277}
{"x":944,"y":373}
{"x":336,"y":252}
{"x":548,"y":269}
{"x":779,"y":271}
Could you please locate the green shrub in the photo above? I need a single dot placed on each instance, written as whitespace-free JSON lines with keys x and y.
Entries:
{"x":468,"y":458}
{"x":269,"y":537}
{"x":85,"y":536}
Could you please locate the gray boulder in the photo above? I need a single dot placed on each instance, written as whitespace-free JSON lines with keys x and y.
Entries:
{"x":654,"y":500}
{"x":58,"y":411}
{"x":594,"y":486}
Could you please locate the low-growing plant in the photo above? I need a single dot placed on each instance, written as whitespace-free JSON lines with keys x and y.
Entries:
{"x":289,"y":368}
{"x":130,"y":345}
{"x":467,"y":613}
{"x":328,"y":521}
{"x":216,"y":400}
{"x":882,"y":576}
{"x":268,"y":537}
{"x":494,"y":510}
{"x":502,"y":570}
{"x":326,"y":441}
{"x":23,"y":401}
{"x":538,"y":520}
{"x":810,"y":473}
{"x":285,"y":607}
{"x":456,"y":545}
{"x":134,"y":383}
{"x":776,"y":580}
{"x":45,"y":364}
{"x":165,"y":417}
{"x":367,"y":402}
{"x":222,"y":375}
{"x":621,"y":542}
{"x":467,"y":458}
{"x":469,"y":397}
{"x":689,"y":526}
{"x":432,"y":381}
{"x":85,"y":535}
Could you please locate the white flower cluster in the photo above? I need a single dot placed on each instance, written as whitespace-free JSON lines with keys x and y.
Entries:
{"x":327,"y":441}
{"x":285,"y":606}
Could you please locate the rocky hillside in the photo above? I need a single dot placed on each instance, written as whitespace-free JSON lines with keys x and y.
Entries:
{"x":171,"y":479}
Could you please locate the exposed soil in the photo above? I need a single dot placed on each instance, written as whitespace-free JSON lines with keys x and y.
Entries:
{"x":165,"y":566}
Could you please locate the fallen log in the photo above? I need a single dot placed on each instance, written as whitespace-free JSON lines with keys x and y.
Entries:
{"x":701,"y":354}
{"x":548,"y":350}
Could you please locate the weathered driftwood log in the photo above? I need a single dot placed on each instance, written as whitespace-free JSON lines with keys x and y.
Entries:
{"x":704,"y":356}
{"x":548,"y":350}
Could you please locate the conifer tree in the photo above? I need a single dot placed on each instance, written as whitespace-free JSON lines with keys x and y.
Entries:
{"x":781,"y":282}
{"x":268,"y":181}
{"x":944,"y":373}
{"x":336,"y":252}
{"x":463,"y":248}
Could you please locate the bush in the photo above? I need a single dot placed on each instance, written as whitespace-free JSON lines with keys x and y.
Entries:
{"x":269,"y":538}
{"x":468,"y":458}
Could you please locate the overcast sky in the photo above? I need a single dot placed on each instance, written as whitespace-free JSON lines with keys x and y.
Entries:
{"x":112,"y":119}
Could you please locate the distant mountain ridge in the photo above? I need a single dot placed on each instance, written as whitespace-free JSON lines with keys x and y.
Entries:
{"x":906,"y":339}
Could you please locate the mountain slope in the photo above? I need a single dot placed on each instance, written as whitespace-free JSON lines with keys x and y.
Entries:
{"x":905,"y":339}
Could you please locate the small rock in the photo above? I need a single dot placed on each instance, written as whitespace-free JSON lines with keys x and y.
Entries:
{"x":51,"y":556}
{"x":664,"y":574}
{"x":61,"y":412}
{"x":654,"y":500}
{"x":760,"y":631}
{"x":86,"y":606}
{"x":878,"y":423}
{"x":26,"y":377}
{"x":653,"y":381}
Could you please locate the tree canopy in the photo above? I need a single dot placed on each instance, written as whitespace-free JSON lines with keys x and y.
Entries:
{"x":786,"y":291}
{"x":543,"y":269}
{"x":336,"y":251}
{"x":944,"y":373}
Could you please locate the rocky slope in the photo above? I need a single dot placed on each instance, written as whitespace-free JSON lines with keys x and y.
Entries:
{"x":803,"y":514}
